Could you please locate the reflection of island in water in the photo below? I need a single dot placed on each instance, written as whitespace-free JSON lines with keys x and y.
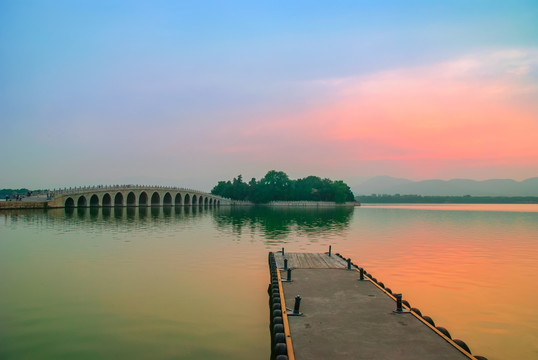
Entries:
{"x":278,"y":222}
{"x":268,"y":222}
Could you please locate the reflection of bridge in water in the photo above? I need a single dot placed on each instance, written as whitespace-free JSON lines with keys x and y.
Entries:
{"x":132,"y":196}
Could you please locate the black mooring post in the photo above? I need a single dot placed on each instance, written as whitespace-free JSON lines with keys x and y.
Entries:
{"x":330,"y":250}
{"x":297,"y":305}
{"x":349,"y":264}
{"x":282,"y":252}
{"x":362,"y":274}
{"x":398,"y":302}
{"x":285,"y":264}
{"x":289,"y":275}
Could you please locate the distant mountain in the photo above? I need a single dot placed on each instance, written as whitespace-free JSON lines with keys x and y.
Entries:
{"x":456,"y":187}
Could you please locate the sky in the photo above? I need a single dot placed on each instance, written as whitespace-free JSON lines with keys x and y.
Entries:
{"x":187,"y":93}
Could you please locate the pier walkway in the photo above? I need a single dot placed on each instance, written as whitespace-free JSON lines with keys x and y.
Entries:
{"x":345,"y":318}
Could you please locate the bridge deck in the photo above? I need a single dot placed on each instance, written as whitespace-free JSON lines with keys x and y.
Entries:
{"x":344,"y":318}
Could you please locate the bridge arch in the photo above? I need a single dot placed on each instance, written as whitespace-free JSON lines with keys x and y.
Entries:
{"x":132,"y":196}
{"x":94,"y":201}
{"x":82,"y":202}
{"x":155,"y":199}
{"x":118,"y":199}
{"x":131,"y":199}
{"x":143,"y":199}
{"x":167,"y":199}
{"x":107,"y":200}
{"x":69,"y":202}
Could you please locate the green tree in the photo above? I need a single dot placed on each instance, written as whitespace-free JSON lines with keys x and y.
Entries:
{"x":223,"y":188}
{"x":342,"y":192}
{"x":277,"y":186}
{"x":308,"y":188}
{"x":240,"y":190}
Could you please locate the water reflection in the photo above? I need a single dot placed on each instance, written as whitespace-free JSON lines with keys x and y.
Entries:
{"x":277,"y":223}
{"x":128,"y":283}
{"x":124,"y":214}
{"x":271,"y":223}
{"x":166,"y":282}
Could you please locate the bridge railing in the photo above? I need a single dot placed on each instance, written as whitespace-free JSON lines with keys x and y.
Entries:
{"x":124,"y":187}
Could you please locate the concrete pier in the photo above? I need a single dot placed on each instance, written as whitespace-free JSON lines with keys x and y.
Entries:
{"x":345,"y":318}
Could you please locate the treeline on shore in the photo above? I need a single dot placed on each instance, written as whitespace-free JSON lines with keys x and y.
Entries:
{"x":15,"y":192}
{"x":467,"y":199}
{"x":277,"y":186}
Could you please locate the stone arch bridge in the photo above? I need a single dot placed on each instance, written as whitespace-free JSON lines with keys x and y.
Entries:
{"x":132,"y":195}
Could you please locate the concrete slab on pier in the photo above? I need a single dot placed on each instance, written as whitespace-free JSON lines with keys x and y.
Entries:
{"x":310,"y":261}
{"x":344,"y":318}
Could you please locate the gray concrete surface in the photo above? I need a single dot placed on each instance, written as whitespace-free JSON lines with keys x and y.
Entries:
{"x":349,"y":319}
{"x":310,"y":261}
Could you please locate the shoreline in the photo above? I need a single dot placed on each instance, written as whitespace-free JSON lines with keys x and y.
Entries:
{"x":16,"y":205}
{"x":10,"y":205}
{"x":297,"y":204}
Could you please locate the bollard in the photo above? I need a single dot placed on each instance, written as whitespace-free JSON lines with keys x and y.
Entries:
{"x":297,"y":305}
{"x":349,"y":264}
{"x":285,"y":264}
{"x":282,"y":252}
{"x":330,"y":250}
{"x":398,"y":302}
{"x":362,"y":274}
{"x":289,"y":275}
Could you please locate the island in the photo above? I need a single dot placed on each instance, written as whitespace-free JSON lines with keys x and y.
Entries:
{"x":276,"y":186}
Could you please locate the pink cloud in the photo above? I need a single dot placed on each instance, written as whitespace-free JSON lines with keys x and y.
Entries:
{"x":460,"y":114}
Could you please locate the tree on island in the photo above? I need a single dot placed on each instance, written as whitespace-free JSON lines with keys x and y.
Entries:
{"x":277,"y":186}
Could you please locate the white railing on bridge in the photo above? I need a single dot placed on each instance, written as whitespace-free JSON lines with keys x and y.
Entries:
{"x":79,"y":189}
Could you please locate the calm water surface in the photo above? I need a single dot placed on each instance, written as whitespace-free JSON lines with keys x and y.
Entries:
{"x":191,"y":283}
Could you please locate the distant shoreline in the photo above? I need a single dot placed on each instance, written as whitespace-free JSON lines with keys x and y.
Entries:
{"x":467,"y":199}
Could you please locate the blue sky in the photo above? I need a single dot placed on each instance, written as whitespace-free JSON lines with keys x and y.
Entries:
{"x":187,"y":93}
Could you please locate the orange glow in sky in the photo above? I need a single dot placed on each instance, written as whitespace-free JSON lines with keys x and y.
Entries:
{"x":476,"y":112}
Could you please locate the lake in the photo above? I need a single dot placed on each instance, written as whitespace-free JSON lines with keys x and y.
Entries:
{"x":191,"y":283}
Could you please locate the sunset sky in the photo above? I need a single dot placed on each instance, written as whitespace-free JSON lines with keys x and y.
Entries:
{"x":190,"y":92}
